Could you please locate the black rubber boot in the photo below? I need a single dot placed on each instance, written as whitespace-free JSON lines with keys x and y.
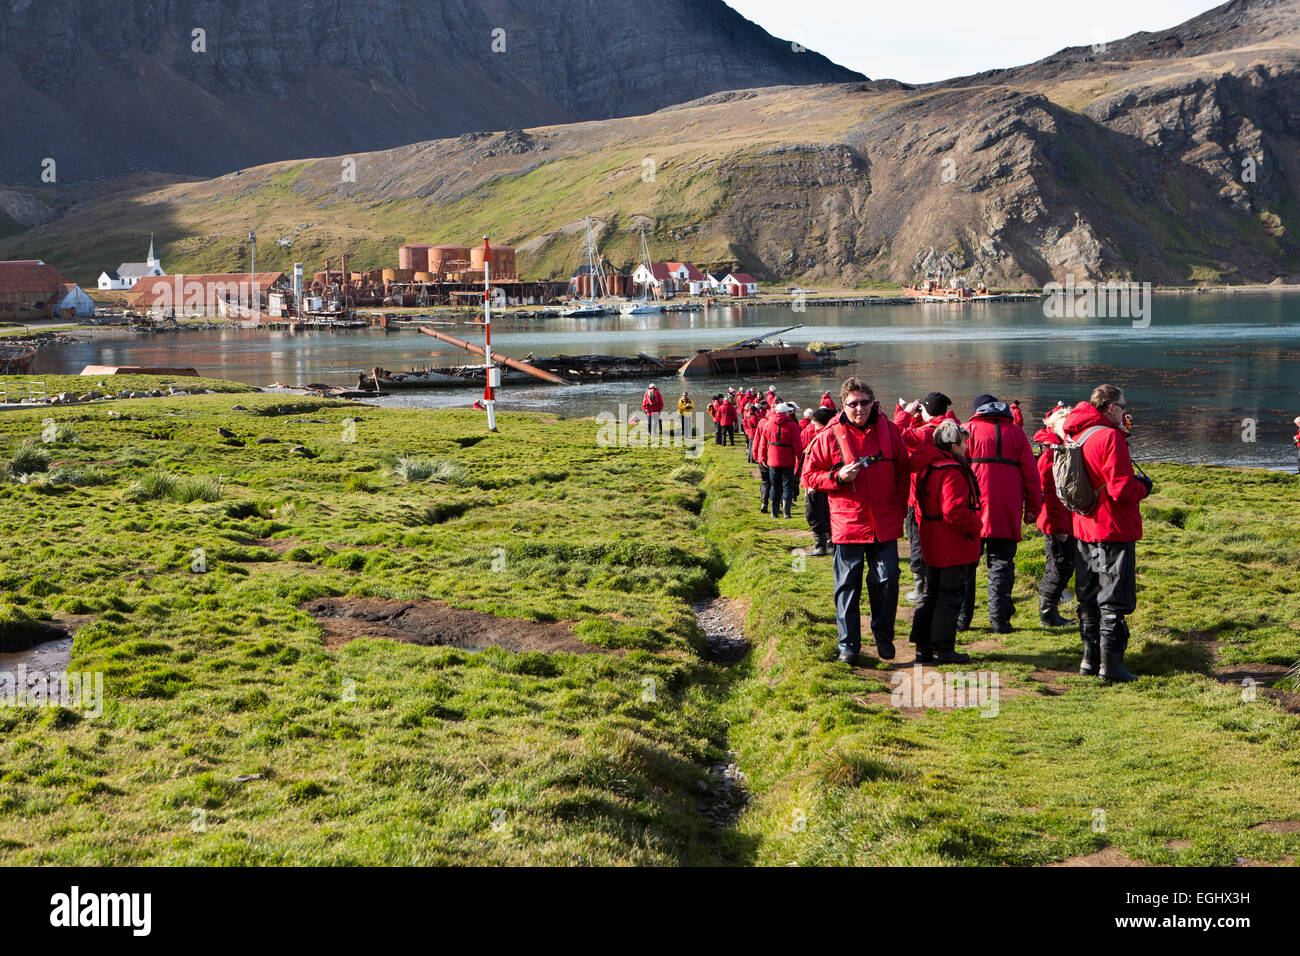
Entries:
{"x":951,"y":657}
{"x":1114,"y":641}
{"x":1091,"y":663}
{"x":1050,"y":616}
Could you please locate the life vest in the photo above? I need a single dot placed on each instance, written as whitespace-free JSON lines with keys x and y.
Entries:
{"x":972,"y":498}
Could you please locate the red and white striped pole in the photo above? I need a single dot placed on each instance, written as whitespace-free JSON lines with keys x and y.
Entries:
{"x":489,"y":395}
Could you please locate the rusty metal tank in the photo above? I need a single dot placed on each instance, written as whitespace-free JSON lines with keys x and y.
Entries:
{"x":414,"y":256}
{"x":503,"y":262}
{"x":448,"y":259}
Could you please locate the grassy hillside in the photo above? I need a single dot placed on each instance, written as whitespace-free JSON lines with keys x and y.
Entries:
{"x":378,"y":751}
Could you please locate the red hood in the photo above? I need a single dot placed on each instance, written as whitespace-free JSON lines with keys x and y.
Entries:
{"x":924,"y":455}
{"x":1045,"y":436}
{"x":1083,"y":417}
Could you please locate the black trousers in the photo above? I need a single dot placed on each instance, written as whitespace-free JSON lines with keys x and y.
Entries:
{"x":717,"y":434}
{"x":1000,"y":556}
{"x":1059,"y":569}
{"x":1105,"y":584}
{"x":914,"y":560}
{"x":764,"y":484}
{"x":817,"y":509}
{"x":729,"y":434}
{"x":934,"y":623}
{"x":783,"y":483}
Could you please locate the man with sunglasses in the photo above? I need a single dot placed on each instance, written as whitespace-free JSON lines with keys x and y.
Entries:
{"x":1106,"y":559}
{"x":860,"y":461}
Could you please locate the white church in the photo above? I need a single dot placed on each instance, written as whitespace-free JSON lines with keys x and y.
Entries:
{"x":129,"y":273}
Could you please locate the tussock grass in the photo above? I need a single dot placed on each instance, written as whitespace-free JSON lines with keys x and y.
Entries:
{"x":443,"y":471}
{"x":156,"y":485}
{"x":29,"y":458}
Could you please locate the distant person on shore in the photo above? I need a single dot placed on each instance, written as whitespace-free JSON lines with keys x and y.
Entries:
{"x":816,"y":506}
{"x":1296,"y":440}
{"x":652,"y":403}
{"x":779,"y":446}
{"x":1056,"y":523}
{"x":1012,"y":494}
{"x":948,"y":505}
{"x":1106,"y":557}
{"x":916,"y":422}
{"x":1017,"y":415}
{"x":860,"y":461}
{"x":686,"y":408}
{"x":828,"y":401}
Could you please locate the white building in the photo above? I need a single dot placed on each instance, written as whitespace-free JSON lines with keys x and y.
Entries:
{"x":129,"y":273}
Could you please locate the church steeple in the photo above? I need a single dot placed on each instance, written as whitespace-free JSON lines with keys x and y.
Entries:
{"x":153,"y":259}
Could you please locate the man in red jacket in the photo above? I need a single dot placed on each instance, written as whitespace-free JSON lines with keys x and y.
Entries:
{"x":828,"y":402}
{"x":1017,"y":415}
{"x":816,"y":507}
{"x":780,"y":447}
{"x":1106,"y":560}
{"x":652,"y":403}
{"x":916,"y":422}
{"x":861,"y":462}
{"x":754,"y":412}
{"x":948,"y":503}
{"x":1056,"y":523}
{"x":1012,"y":494}
{"x":727,"y":422}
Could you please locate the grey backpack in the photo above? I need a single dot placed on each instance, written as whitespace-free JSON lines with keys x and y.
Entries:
{"x":1073,"y":486}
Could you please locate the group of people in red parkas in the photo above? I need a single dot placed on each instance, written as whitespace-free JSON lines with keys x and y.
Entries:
{"x":961,"y":492}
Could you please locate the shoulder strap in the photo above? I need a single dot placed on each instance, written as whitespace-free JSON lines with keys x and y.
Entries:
{"x":997,"y":458}
{"x":921,"y":480}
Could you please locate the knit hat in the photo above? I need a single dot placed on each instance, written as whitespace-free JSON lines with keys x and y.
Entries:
{"x":936,"y":403}
{"x":984,"y":400}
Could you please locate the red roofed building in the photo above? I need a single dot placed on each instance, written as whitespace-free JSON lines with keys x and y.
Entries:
{"x":199,"y":294}
{"x":740,"y":283}
{"x":658,"y":278}
{"x":30,"y":289}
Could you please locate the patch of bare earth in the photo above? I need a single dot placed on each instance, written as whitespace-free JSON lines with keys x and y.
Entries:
{"x":1107,"y":857}
{"x":1278,"y":826}
{"x":723,"y":622}
{"x":434,"y":624}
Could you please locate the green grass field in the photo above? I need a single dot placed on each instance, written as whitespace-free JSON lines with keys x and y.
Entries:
{"x":380,"y":752}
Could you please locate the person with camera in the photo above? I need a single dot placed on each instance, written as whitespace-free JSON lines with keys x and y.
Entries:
{"x":948,"y":506}
{"x":1107,"y":536}
{"x":652,"y":403}
{"x":861,"y":462}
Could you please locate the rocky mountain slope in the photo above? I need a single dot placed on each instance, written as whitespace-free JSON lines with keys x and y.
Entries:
{"x":107,"y":87}
{"x":1165,"y":158}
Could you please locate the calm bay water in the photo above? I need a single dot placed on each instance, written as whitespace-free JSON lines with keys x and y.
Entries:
{"x":1204,"y":365}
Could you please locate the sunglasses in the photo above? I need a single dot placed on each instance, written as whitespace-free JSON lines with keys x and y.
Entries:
{"x":855,"y":404}
{"x":1120,"y":404}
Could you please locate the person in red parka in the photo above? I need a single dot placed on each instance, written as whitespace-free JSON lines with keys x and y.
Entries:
{"x":727,"y":422}
{"x":816,"y":507}
{"x":860,"y":461}
{"x":1017,"y":415}
{"x":1012,"y":494}
{"x":916,"y":422}
{"x":828,"y":402}
{"x":806,"y":425}
{"x":652,"y":403}
{"x":1296,"y":439}
{"x":754,"y":412}
{"x":1105,"y":567}
{"x":780,"y":447}
{"x":1055,"y":521}
{"x":948,"y":504}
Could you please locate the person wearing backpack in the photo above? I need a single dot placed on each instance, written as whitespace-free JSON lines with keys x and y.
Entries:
{"x":816,"y":507}
{"x":1056,"y":523}
{"x":860,"y":461}
{"x":1107,"y":531}
{"x":1012,"y":493}
{"x":916,"y":422}
{"x":948,"y":508}
{"x":780,"y":448}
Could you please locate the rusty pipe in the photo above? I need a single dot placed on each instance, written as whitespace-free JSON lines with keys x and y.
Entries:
{"x":496,"y":356}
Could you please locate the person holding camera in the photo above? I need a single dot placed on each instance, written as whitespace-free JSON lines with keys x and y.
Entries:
{"x":948,"y":506}
{"x":861,"y":462}
{"x":1106,"y":558}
